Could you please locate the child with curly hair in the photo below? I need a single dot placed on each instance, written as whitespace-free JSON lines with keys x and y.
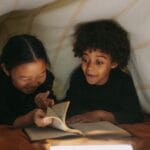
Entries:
{"x":99,"y":89}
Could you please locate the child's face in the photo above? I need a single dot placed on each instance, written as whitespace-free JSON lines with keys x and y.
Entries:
{"x":96,"y":66}
{"x":27,"y":77}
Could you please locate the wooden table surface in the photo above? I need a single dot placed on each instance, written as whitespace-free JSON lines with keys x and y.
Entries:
{"x":15,"y":139}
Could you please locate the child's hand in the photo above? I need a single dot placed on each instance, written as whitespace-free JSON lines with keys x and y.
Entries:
{"x":40,"y":118}
{"x":85,"y":117}
{"x":42,"y":100}
{"x":92,"y":116}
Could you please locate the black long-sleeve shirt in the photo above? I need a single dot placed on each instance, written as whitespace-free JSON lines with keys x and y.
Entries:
{"x":14,"y":103}
{"x":118,"y":96}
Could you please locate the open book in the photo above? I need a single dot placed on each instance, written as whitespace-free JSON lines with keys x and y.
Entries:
{"x":58,"y":127}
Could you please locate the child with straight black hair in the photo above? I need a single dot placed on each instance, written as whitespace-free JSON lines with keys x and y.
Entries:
{"x":25,"y":82}
{"x":99,"y":89}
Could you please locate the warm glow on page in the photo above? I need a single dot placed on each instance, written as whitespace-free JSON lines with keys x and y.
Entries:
{"x":93,"y":147}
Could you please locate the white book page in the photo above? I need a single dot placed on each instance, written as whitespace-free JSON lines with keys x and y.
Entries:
{"x":100,"y":128}
{"x":59,"y":110}
{"x":57,"y":115}
{"x":59,"y":124}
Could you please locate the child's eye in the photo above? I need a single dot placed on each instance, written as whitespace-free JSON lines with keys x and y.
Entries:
{"x":42,"y":76}
{"x":98,"y":62}
{"x":24,"y":79}
{"x":84,"y":60}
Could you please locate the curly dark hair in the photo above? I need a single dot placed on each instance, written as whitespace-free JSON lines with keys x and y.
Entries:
{"x":105,"y":35}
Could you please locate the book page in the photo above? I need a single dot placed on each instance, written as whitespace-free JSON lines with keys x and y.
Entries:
{"x":59,"y":124}
{"x":60,"y":110}
{"x":35,"y":133}
{"x":58,"y":115}
{"x":100,"y":128}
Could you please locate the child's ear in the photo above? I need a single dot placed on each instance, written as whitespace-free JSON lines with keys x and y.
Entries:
{"x":5,"y":69}
{"x":114,"y":65}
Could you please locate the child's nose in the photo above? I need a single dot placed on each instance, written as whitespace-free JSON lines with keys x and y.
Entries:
{"x":35,"y":82}
{"x":90,"y":66}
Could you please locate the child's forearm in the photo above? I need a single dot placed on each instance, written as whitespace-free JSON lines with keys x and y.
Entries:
{"x":107,"y":116}
{"x":24,"y":120}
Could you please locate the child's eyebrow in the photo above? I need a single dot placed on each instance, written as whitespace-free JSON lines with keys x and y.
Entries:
{"x":102,"y":56}
{"x":84,"y":53}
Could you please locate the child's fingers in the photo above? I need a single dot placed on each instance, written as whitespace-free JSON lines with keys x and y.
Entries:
{"x":39,"y":113}
{"x":42,"y":100}
{"x":45,"y":95}
{"x":42,"y":96}
{"x":51,"y":102}
{"x":47,"y":121}
{"x":47,"y":103}
{"x":39,"y":117}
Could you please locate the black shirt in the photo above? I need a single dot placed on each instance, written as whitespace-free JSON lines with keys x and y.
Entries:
{"x":14,"y":103}
{"x":118,"y":96}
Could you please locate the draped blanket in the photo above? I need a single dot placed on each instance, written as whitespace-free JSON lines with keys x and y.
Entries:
{"x":53,"y":21}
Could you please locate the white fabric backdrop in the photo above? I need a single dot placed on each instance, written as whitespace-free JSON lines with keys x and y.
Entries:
{"x":54,"y":25}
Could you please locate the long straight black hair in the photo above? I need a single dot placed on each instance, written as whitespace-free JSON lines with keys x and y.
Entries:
{"x":21,"y":49}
